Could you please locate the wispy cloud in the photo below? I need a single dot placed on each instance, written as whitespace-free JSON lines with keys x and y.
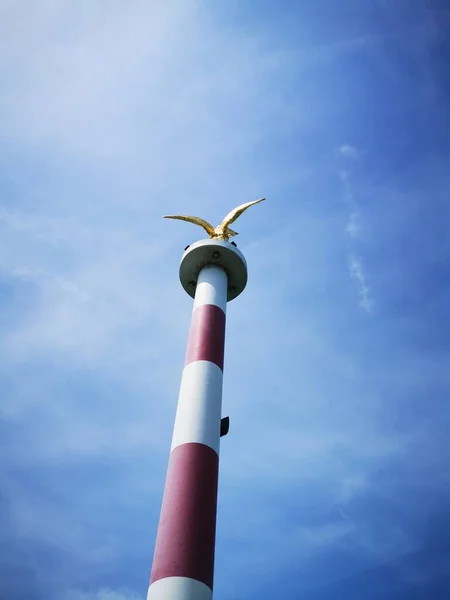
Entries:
{"x":349,"y":152}
{"x":358,"y":274}
{"x":353,"y":228}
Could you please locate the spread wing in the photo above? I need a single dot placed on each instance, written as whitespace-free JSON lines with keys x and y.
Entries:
{"x":196,"y":220}
{"x":235,"y":213}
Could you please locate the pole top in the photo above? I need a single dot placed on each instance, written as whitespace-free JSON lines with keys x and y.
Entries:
{"x":217,"y":252}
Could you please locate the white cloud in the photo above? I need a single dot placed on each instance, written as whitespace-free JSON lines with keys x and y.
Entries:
{"x":324,"y":536}
{"x":349,"y":152}
{"x":353,"y":225}
{"x":146,"y":89}
{"x":357,"y":273}
{"x":354,"y":230}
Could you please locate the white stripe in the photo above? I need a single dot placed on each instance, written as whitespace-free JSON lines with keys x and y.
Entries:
{"x":179,"y":588}
{"x":212,"y":285}
{"x":199,"y":405}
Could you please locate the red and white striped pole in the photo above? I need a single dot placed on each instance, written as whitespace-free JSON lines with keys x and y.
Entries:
{"x":212,"y":272}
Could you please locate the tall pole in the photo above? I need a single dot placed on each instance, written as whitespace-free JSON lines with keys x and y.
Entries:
{"x":213,"y":272}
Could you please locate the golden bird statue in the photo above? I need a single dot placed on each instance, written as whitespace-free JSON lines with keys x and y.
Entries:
{"x":222,"y":231}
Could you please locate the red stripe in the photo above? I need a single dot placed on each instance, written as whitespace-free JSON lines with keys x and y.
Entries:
{"x":207,"y":335}
{"x":187,"y":526}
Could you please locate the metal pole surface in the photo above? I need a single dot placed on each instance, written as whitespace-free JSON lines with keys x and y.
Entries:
{"x":183,"y":565}
{"x":212,"y":272}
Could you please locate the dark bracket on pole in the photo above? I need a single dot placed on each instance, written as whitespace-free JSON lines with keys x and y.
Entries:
{"x":224,"y":426}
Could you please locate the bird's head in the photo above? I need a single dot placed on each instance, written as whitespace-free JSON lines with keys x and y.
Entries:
{"x":230,"y":232}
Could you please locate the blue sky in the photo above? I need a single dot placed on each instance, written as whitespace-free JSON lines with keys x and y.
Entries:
{"x":334,"y":477}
